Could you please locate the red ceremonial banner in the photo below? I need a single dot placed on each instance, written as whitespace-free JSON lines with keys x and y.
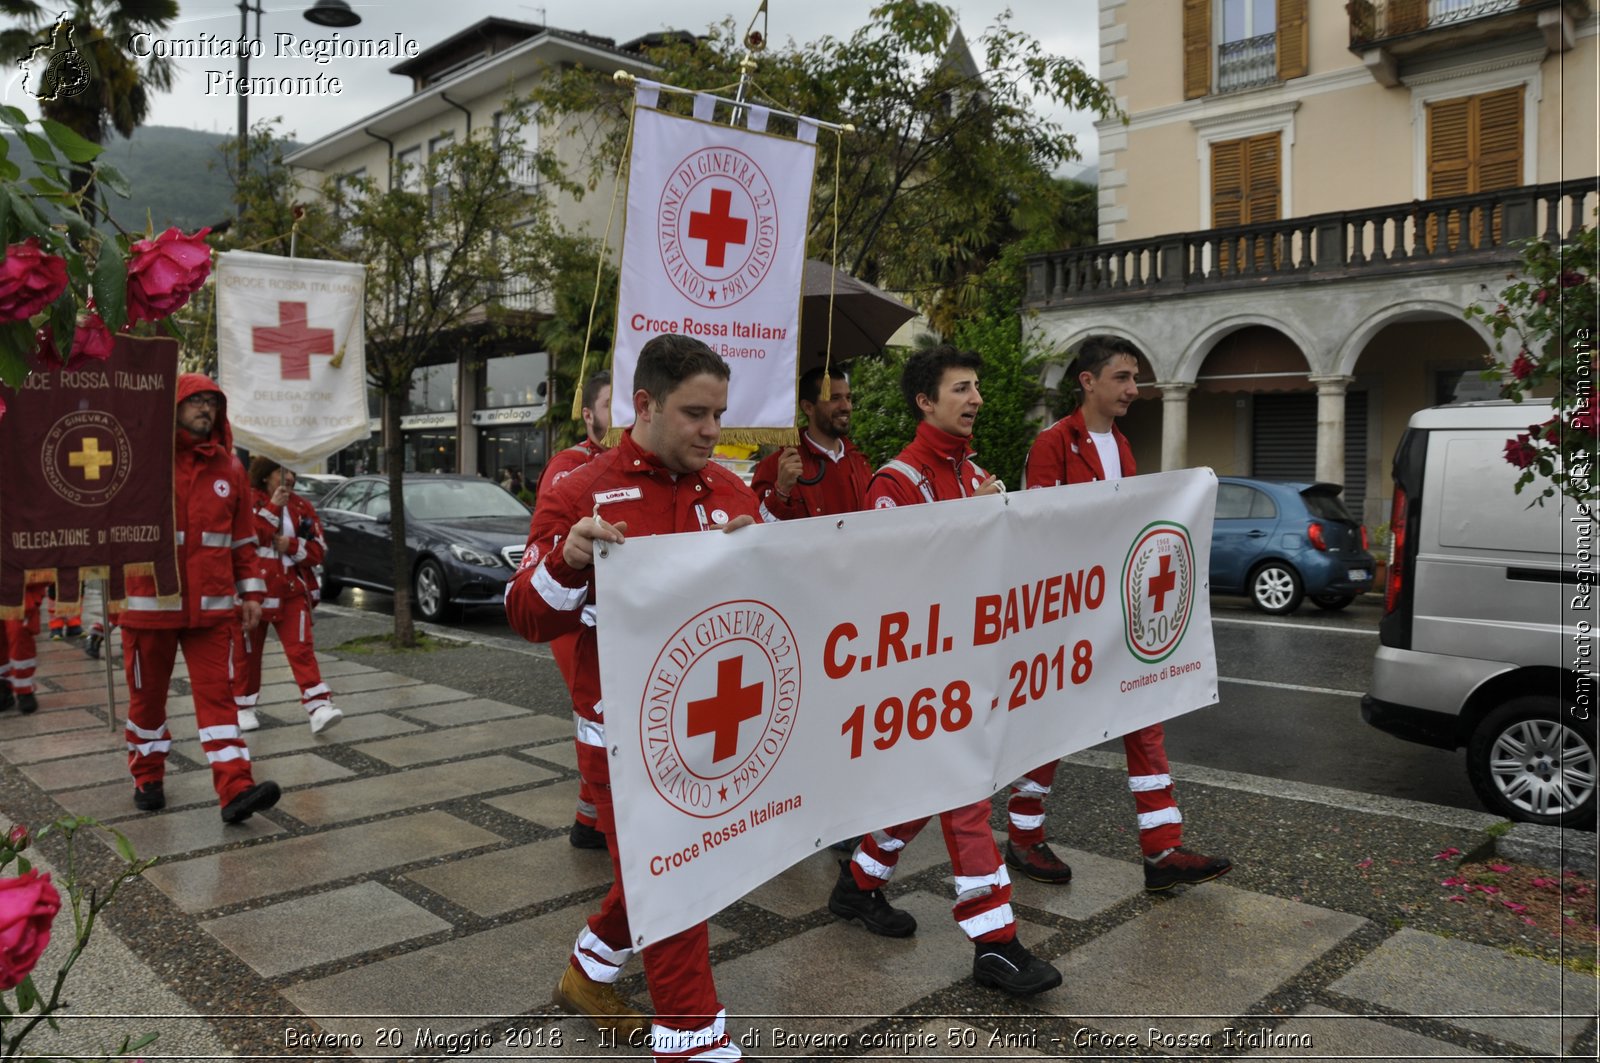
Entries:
{"x":87,"y":486}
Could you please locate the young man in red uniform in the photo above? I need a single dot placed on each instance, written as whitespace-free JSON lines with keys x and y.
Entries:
{"x":941,"y":386}
{"x":217,"y":557}
{"x":290,"y":545}
{"x":658,"y":479}
{"x":19,"y":655}
{"x":596,"y":411}
{"x":825,"y":474}
{"x":1082,"y":447}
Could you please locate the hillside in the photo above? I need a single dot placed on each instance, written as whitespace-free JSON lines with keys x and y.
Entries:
{"x":176,"y":176}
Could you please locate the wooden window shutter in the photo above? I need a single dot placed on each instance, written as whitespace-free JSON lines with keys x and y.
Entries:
{"x":1196,"y":48}
{"x":1246,"y":187}
{"x":1499,"y":134}
{"x":1474,"y":145}
{"x":1293,"y":39}
{"x":1449,"y":162}
{"x":1227,"y":183}
{"x":1263,"y":184}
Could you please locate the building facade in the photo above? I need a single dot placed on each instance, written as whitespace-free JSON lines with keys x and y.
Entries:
{"x":1305,"y":196}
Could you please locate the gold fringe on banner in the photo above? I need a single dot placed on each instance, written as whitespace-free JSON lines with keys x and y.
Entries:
{"x":761,"y":437}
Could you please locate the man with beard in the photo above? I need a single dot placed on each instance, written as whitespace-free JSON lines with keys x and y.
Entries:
{"x":825,"y":474}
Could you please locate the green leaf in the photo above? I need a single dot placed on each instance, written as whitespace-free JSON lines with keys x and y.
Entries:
{"x":64,"y":321}
{"x":23,"y":865}
{"x":32,"y":222}
{"x":110,"y":287}
{"x":5,"y":215}
{"x":108,"y":176}
{"x":147,"y":1039}
{"x":9,"y":171}
{"x":12,"y":116}
{"x":71,"y":144}
{"x":16,"y":340}
{"x":40,"y":148}
{"x":124,"y":846}
{"x":27,"y":995}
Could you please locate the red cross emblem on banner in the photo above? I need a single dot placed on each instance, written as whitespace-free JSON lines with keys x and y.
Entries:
{"x":718,"y":227}
{"x":292,"y":341}
{"x":1163,"y":581}
{"x":721,"y":714}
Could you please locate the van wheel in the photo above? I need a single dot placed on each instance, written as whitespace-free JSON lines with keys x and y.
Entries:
{"x":1332,"y":602}
{"x":1530,"y":760}
{"x":1275,"y":588}
{"x":331,"y":589}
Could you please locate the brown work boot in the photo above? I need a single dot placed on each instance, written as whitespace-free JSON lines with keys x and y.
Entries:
{"x":599,"y":1002}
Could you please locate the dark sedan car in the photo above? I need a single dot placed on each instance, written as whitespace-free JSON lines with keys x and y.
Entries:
{"x":464,"y":539}
{"x":1279,"y":543}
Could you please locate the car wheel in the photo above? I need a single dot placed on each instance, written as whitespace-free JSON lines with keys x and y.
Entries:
{"x":1332,"y":602}
{"x":1530,"y":762}
{"x":1275,"y":588}
{"x":431,"y":593}
{"x":331,"y":589}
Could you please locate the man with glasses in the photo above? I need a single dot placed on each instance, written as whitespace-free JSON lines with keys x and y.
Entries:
{"x":216,"y":545}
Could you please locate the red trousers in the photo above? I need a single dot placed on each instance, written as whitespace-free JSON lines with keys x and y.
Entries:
{"x":19,"y":654}
{"x":147,"y":658}
{"x":677,"y":968}
{"x":1149,"y":777}
{"x":293,"y":625}
{"x":983,"y":887}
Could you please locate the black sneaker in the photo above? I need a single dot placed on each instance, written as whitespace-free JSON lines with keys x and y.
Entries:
{"x":849,"y":901}
{"x":583,"y":836}
{"x":1011,"y":968}
{"x":1183,"y":867}
{"x":91,"y":645}
{"x":7,"y":699}
{"x":259,"y":798}
{"x":28,"y":703}
{"x":1039,"y":863}
{"x":151,"y":797}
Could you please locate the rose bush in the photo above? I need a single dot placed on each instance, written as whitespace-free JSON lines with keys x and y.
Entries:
{"x":30,"y":280}
{"x":163,"y":273}
{"x":28,"y":905}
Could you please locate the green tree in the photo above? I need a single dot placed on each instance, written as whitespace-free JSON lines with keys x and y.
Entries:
{"x":951,"y":158}
{"x":101,"y":86}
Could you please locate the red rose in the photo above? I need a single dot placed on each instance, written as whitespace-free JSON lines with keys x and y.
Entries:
{"x":1541,"y":295}
{"x":1585,"y":421}
{"x":18,"y":838}
{"x":164,"y":272}
{"x":1520,"y":452}
{"x":1523,"y":367}
{"x":1571,"y":278}
{"x":30,"y":280}
{"x":91,"y":340}
{"x":28,"y":905}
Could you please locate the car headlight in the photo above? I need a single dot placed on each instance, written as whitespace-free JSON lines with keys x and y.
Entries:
{"x":474,"y":557}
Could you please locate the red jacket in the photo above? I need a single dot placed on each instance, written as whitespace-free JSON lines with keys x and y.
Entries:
{"x":547,"y":599}
{"x":216,"y":538}
{"x":840,"y":487}
{"x":934,"y":467}
{"x":566,"y":462}
{"x":291,"y":573}
{"x":1064,"y":454}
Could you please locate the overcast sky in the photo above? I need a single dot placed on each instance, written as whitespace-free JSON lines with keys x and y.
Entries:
{"x":1065,"y":27}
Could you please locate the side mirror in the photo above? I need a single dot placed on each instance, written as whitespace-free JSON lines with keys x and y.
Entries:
{"x":382,"y":518}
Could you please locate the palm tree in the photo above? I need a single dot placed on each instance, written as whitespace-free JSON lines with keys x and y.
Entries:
{"x":112,"y":87}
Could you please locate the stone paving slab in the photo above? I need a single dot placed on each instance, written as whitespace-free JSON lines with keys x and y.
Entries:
{"x":1210,"y":951}
{"x":50,"y":721}
{"x":1323,"y":1033}
{"x":458,"y":712}
{"x":293,"y":737}
{"x":79,"y":772}
{"x":379,"y":701}
{"x":805,"y":886}
{"x":486,"y":737}
{"x":549,"y":806}
{"x":91,"y":678}
{"x":409,"y":789}
{"x":113,"y":801}
{"x":562,"y":753}
{"x":290,"y":864}
{"x":1482,"y":989}
{"x":499,"y":882}
{"x":65,"y":744}
{"x":1098,"y":883}
{"x":62,"y":663}
{"x":329,"y":926}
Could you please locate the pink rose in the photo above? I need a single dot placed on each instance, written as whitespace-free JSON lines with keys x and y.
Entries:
{"x":30,"y":280}
{"x":91,"y":340}
{"x":1541,"y":295}
{"x":1520,"y":452}
{"x":164,"y":272}
{"x":1523,"y":367}
{"x":28,"y":905}
{"x":18,"y":838}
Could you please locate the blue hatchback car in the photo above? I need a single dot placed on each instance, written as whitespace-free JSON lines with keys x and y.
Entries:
{"x":1279,"y":542}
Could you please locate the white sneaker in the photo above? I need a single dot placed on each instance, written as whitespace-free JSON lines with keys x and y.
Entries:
{"x":248,"y":720}
{"x":324,"y":718}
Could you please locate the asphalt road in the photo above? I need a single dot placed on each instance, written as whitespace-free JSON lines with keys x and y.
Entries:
{"x":1290,"y":702}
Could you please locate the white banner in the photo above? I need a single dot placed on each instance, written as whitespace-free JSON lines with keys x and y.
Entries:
{"x":714,"y":248}
{"x":770,"y":691}
{"x":291,"y":354}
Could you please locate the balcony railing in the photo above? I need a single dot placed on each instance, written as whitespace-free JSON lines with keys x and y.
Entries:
{"x":1419,"y":236}
{"x":1378,"y":20}
{"x":1248,"y":63}
{"x":522,"y":170}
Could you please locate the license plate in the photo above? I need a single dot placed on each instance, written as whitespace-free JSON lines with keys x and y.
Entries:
{"x":1359,"y":574}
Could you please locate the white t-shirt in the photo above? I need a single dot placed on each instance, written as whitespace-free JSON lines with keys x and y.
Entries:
{"x":1110,"y":460}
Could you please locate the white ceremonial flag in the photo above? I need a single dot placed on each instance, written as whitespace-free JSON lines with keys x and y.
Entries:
{"x":714,"y":248}
{"x":753,"y":717}
{"x":291,"y":354}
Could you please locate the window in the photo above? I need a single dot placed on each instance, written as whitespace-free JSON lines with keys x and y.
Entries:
{"x":433,"y":389}
{"x":408,"y":169}
{"x":1238,"y":502}
{"x":517,"y":136}
{"x":1229,"y":45}
{"x":1246,"y":179}
{"x":1474,"y":145}
{"x":515,"y":380}
{"x":441,"y":186}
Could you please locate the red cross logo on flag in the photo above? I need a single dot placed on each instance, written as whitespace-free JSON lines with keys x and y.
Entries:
{"x":718,"y":226}
{"x":293,"y":341}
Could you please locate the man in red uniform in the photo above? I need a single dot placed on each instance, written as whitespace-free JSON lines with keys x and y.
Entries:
{"x":290,"y":545}
{"x":1082,"y":447}
{"x":217,"y":559}
{"x":19,"y":656}
{"x":596,"y":422}
{"x":658,"y":479}
{"x":941,"y":386}
{"x":825,"y":473}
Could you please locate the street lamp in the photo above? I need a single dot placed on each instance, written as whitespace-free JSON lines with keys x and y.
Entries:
{"x":334,"y":13}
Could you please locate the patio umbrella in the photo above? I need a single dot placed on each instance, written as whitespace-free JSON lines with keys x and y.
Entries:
{"x":864,"y":317}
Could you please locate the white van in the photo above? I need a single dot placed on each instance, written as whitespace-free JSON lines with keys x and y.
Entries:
{"x":1487,"y":639}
